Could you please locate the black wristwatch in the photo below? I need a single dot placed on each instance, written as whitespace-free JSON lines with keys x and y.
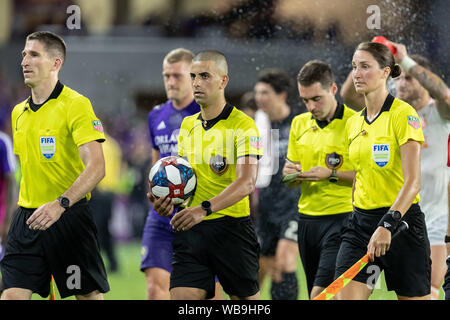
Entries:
{"x":447,"y":239}
{"x":333,"y":177}
{"x":64,"y":202}
{"x":206,"y":205}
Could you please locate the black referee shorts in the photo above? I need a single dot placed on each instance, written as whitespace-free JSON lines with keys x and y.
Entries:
{"x":407,"y":264}
{"x":319,"y":239}
{"x":446,"y":285}
{"x":68,"y":250}
{"x":226,"y":247}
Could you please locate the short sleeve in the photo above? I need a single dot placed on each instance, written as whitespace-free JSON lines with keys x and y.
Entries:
{"x":292,"y":152}
{"x":83,"y":123}
{"x":5,"y":150}
{"x":407,"y":126}
{"x":150,"y":131}
{"x":181,"y":138}
{"x":248,"y":141}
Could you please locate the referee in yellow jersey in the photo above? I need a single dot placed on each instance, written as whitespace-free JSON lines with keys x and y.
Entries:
{"x":56,"y":136}
{"x":214,"y":234}
{"x":317,"y":152}
{"x":384,"y":148}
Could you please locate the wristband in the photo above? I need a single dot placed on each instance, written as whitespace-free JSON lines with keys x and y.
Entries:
{"x":390,"y":220}
{"x":407,"y":63}
{"x":447,"y":239}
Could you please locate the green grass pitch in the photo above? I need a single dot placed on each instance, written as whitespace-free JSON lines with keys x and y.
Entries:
{"x":129,"y":282}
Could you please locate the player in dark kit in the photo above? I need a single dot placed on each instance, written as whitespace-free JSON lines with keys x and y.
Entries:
{"x":276,"y":218}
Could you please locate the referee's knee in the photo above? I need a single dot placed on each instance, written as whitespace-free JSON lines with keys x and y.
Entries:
{"x":16,"y":294}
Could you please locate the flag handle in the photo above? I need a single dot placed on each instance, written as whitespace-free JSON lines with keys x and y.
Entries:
{"x":337,"y":285}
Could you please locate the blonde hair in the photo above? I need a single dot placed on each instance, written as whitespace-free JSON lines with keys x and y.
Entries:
{"x":179,"y":54}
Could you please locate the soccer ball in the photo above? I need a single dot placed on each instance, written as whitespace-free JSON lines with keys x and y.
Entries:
{"x":172,"y":176}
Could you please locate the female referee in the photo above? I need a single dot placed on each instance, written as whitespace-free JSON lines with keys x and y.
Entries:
{"x":384,"y":148}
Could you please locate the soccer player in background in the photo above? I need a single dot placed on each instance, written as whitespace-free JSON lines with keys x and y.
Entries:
{"x":384,"y":148}
{"x":318,"y":153}
{"x":214,"y":234}
{"x":8,"y":189}
{"x":276,"y":218}
{"x":430,"y":96}
{"x":164,"y":122}
{"x":58,"y":140}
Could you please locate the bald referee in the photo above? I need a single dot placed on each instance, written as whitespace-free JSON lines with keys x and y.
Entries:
{"x":56,"y":136}
{"x":214,"y":234}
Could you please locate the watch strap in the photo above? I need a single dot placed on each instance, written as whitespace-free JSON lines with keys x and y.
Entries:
{"x":206,"y":205}
{"x":333,"y":176}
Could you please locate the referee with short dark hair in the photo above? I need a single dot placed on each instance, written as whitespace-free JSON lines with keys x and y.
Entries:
{"x":56,"y":136}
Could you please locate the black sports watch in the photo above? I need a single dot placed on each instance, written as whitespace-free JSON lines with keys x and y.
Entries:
{"x":447,"y":239}
{"x":333,"y":177}
{"x":64,"y":202}
{"x":206,"y":205}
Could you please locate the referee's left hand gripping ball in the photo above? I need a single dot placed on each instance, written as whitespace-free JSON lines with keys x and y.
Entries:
{"x":44,"y":216}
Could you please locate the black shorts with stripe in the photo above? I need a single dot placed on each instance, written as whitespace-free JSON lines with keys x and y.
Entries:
{"x":407,"y":264}
{"x":68,"y":250}
{"x":226,"y":247}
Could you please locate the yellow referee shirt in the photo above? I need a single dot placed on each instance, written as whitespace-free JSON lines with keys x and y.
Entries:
{"x":212,"y":148}
{"x":374,"y":150}
{"x":47,"y":139}
{"x":315,"y":143}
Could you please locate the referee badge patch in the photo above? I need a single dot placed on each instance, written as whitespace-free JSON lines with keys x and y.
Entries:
{"x":218,"y":164}
{"x":48,"y":146}
{"x":381,"y":153}
{"x":414,"y":122}
{"x":334,"y":160}
{"x":97,"y":125}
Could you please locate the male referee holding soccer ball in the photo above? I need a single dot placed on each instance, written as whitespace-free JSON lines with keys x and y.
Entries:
{"x":214,"y":233}
{"x":57,"y":138}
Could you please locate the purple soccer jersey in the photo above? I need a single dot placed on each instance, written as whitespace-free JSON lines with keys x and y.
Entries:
{"x":164,"y":122}
{"x":7,"y":164}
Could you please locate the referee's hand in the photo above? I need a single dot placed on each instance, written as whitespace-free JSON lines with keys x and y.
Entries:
{"x":163,"y":206}
{"x":187,"y":218}
{"x":44,"y":216}
{"x":379,"y":243}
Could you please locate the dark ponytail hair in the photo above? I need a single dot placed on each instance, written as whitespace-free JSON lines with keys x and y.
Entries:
{"x":382,"y":55}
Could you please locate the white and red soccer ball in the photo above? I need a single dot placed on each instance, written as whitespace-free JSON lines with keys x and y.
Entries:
{"x":172,"y":176}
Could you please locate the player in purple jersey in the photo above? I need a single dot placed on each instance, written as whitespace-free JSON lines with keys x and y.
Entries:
{"x":164,"y":122}
{"x":8,"y":189}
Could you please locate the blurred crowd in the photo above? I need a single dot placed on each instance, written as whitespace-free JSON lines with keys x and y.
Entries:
{"x":318,"y":20}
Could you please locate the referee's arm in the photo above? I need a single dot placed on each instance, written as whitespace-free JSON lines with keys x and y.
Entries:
{"x":91,"y":154}
{"x":246,"y":174}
